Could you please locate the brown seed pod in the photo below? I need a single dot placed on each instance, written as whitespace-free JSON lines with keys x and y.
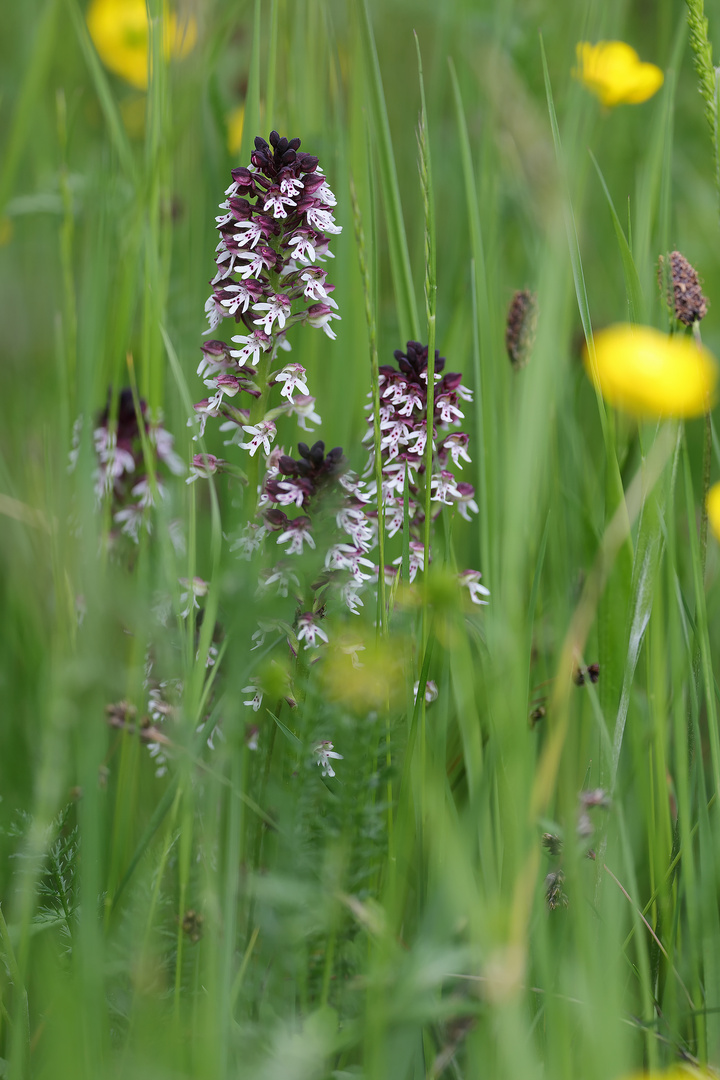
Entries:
{"x":520,"y":328}
{"x":684,"y":296}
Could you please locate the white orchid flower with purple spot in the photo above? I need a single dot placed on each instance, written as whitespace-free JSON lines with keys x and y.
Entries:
{"x":310,"y":631}
{"x":323,"y":751}
{"x":262,"y":435}
{"x":292,"y":376}
{"x":278,"y":307}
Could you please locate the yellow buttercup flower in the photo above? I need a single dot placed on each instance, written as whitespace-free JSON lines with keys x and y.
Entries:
{"x":713,"y":509}
{"x":119,"y":29}
{"x":235,"y":125}
{"x":679,"y":1072}
{"x":649,"y":374}
{"x":614,"y":72}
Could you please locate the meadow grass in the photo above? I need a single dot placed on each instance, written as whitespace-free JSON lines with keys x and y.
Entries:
{"x":446,"y":904}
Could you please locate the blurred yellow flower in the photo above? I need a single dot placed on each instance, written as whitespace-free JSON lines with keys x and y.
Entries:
{"x":614,"y":72}
{"x":119,"y":29}
{"x":679,"y":1072}
{"x":649,"y":374}
{"x":713,"y":509}
{"x":235,"y":124}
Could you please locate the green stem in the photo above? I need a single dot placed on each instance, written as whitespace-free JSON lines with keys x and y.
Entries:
{"x":21,"y":1031}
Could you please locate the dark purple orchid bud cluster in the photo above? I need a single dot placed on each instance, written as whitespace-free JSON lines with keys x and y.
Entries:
{"x":121,"y":473}
{"x":273,"y":233}
{"x":404,"y":431}
{"x":299,"y":498}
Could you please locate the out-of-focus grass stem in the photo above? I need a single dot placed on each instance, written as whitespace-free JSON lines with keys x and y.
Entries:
{"x":370,"y":307}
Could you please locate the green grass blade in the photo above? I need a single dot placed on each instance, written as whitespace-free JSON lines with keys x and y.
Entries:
{"x":114,"y":123}
{"x":21,"y":127}
{"x":636,"y":301}
{"x":399,"y":254}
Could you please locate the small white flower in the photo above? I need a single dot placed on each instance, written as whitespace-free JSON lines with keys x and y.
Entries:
{"x":456,"y":446}
{"x":203,"y":466}
{"x":203,"y":409}
{"x":277,"y":201}
{"x":303,"y":406}
{"x":304,"y":251}
{"x":321,"y":319}
{"x":416,"y":559}
{"x":291,"y":186}
{"x":322,"y":220}
{"x":297,"y":532}
{"x":449,"y":413}
{"x":214,"y":312}
{"x":409,"y":399}
{"x":323,"y":751}
{"x":253,"y":233}
{"x":256,"y":700}
{"x":278,"y":308}
{"x":131,"y":519}
{"x":314,"y":284}
{"x":241,"y":300}
{"x":262,"y":435}
{"x":293,"y":376}
{"x":420,"y":437}
{"x":216,"y":733}
{"x":444,"y":488}
{"x":350,"y":595}
{"x":325,"y":195}
{"x":282,"y":577}
{"x":292,"y":493}
{"x":471,"y":580}
{"x":161,"y":761}
{"x":466,"y":503}
{"x":347,"y":557}
{"x":309,"y":631}
{"x":255,"y":264}
{"x":394,"y":516}
{"x":353,"y":521}
{"x":431,"y":691}
{"x":250,"y":540}
{"x":193,"y":589}
{"x":252,"y":345}
{"x":264,"y":628}
{"x":210,"y":659}
{"x":144,"y":494}
{"x":352,"y":648}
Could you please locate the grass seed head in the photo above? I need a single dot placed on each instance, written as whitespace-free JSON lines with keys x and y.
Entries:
{"x":521,"y":327}
{"x":684,"y":295}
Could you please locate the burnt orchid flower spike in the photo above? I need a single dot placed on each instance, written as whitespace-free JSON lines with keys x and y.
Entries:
{"x":274,"y":226}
